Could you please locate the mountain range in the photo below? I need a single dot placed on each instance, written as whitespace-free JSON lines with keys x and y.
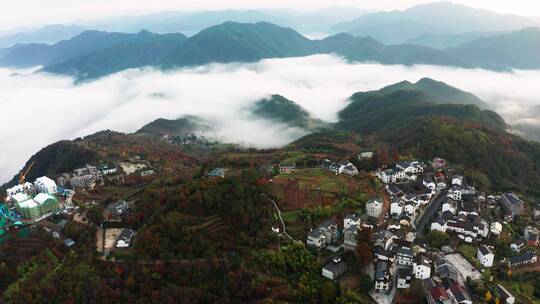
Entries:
{"x":518,"y":50}
{"x":46,"y":34}
{"x":94,"y":54}
{"x":432,"y":18}
{"x":88,"y":42}
{"x":186,"y":22}
{"x":443,"y":41}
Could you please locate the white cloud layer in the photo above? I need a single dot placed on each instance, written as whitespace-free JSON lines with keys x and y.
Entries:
{"x":39,"y":109}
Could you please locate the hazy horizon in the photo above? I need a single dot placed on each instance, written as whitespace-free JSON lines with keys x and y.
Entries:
{"x":26,"y":14}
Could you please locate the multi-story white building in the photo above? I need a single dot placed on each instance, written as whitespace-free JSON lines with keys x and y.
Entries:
{"x":45,"y":185}
{"x":374,"y":208}
{"x":24,"y":188}
{"x":421,"y":267}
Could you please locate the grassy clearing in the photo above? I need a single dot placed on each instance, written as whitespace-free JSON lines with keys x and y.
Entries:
{"x":468,"y":251}
{"x":291,"y":216}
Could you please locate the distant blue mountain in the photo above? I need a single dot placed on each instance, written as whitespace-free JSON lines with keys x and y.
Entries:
{"x":47,"y":34}
{"x":432,"y":18}
{"x":88,"y":42}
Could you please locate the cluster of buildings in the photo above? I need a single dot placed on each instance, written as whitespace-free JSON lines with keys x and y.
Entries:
{"x":432,"y":197}
{"x":402,"y":172}
{"x":33,"y":201}
{"x":342,"y":167}
{"x":85,"y":177}
{"x":333,"y":237}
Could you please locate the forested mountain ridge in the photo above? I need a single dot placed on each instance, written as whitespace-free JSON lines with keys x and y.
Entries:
{"x":88,"y":42}
{"x":121,"y":56}
{"x":94,"y":54}
{"x":394,"y":105}
{"x":519,"y":49}
{"x":280,"y":109}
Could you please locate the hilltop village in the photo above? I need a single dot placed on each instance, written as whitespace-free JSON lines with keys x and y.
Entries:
{"x":413,"y":231}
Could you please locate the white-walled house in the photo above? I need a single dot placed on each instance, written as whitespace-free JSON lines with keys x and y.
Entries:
{"x":457,"y":180}
{"x":316,"y":238}
{"x":387,"y":176}
{"x":374,"y":208}
{"x":350,"y":220}
{"x":449,"y":205}
{"x":485,"y":255}
{"x":396,"y":207}
{"x":421,"y":267}
{"x":454,"y":193}
{"x":496,"y":228}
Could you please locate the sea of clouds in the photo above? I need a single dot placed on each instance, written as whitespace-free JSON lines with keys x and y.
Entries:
{"x":38,"y":109}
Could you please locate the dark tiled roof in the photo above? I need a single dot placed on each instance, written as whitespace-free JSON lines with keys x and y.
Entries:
{"x":485,"y":250}
{"x":460,"y":293}
{"x":315,"y":233}
{"x":381,"y":270}
{"x":336,"y":268}
{"x":327,"y":224}
{"x":404,"y":272}
{"x":520,"y":258}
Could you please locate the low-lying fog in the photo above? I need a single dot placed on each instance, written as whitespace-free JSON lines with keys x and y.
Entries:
{"x":39,"y":109}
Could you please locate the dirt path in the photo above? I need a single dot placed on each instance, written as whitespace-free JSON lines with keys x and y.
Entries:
{"x":281,"y":220}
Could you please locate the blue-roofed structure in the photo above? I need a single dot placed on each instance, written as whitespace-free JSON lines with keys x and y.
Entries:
{"x":217,"y":172}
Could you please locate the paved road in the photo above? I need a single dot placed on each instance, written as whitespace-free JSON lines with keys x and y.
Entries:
{"x":430,"y":211}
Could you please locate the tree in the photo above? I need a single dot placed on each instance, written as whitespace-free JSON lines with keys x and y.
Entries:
{"x":488,"y":296}
{"x":328,"y":292}
{"x":365,"y":283}
{"x":437,"y":238}
{"x":536,"y":291}
{"x":365,"y":236}
{"x":365,"y":255}
{"x":308,"y":288}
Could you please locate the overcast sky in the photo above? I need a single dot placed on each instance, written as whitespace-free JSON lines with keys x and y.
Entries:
{"x":21,"y":13}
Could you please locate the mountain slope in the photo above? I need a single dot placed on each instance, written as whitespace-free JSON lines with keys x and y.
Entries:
{"x":62,"y":156}
{"x":520,"y":49}
{"x":509,"y":162}
{"x":443,"y":41}
{"x":239,"y":42}
{"x":27,"y":55}
{"x":182,"y":126}
{"x":280,"y":109}
{"x":434,"y":18}
{"x":400,"y":103}
{"x":121,"y":56}
{"x":394,"y":32}
{"x":438,"y":92}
